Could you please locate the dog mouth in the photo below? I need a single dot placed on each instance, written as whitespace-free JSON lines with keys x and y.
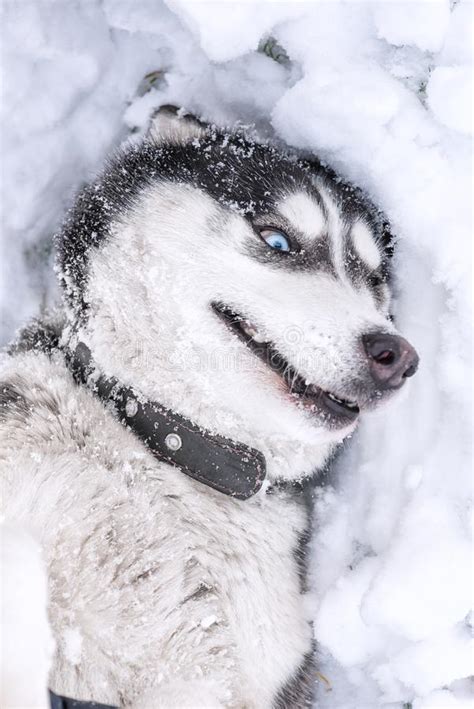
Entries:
{"x":336,"y":410}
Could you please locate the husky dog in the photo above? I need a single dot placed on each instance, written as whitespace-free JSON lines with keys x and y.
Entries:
{"x":226,"y":322}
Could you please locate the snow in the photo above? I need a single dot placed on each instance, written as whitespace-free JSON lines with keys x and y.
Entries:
{"x":73,"y":645}
{"x":449,"y":90}
{"x":382,"y":91}
{"x":208,"y":622}
{"x":26,"y":637}
{"x":422,"y":24}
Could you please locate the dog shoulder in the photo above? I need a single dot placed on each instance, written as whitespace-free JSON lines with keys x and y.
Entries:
{"x":47,"y":420}
{"x":37,"y":395}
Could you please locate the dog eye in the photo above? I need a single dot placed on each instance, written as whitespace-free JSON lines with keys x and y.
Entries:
{"x":275,"y":239}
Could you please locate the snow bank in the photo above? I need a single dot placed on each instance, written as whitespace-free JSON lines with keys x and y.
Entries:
{"x":381,"y":91}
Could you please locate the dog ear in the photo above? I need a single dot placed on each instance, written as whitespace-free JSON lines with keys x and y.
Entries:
{"x":172,"y":124}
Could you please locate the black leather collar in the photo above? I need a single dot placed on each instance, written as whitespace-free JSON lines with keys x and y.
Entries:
{"x":225,"y":465}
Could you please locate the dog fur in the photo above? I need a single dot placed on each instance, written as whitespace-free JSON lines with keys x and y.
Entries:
{"x":162,"y":591}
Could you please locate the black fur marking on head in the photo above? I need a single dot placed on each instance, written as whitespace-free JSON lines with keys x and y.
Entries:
{"x":299,"y":691}
{"x":360,"y":273}
{"x":241,"y":175}
{"x":354,"y":202}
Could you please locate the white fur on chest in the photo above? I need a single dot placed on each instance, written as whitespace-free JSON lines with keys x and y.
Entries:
{"x":153,"y":577}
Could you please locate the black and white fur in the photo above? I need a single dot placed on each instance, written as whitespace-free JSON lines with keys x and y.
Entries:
{"x":162,"y":591}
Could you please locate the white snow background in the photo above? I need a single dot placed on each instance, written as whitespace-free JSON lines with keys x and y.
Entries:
{"x":382,"y":91}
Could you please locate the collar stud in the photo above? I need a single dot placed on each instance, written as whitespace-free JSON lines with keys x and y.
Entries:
{"x":173,"y":441}
{"x":131,"y":407}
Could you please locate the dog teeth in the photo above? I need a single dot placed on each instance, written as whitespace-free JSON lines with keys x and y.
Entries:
{"x":343,"y":402}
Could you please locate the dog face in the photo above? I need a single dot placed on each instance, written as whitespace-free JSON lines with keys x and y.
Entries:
{"x":242,"y":287}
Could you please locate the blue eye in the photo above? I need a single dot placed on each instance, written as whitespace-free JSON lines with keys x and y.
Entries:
{"x":275,"y":239}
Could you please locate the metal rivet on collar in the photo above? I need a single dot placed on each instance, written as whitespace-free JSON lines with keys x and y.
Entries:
{"x":173,"y":441}
{"x":131,"y":407}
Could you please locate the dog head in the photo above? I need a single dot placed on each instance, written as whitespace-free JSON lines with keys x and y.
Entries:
{"x":241,"y":286}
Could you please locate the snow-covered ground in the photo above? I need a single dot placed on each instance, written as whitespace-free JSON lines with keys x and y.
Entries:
{"x":382,"y":91}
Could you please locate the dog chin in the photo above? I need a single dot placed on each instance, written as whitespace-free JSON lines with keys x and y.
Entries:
{"x":295,"y":460}
{"x":301,"y":449}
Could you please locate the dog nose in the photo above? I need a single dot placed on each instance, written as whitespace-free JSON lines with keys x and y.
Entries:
{"x":391,"y":359}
